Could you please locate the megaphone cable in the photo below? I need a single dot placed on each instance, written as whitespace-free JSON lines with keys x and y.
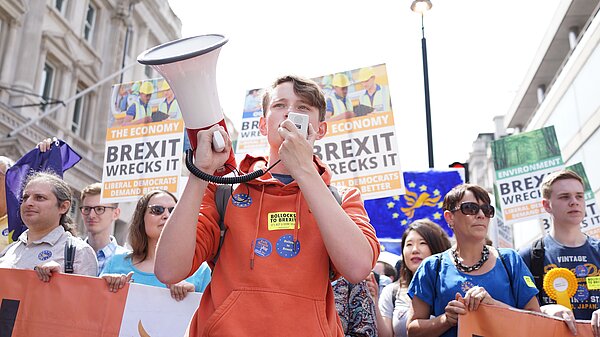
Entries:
{"x":189,"y":163}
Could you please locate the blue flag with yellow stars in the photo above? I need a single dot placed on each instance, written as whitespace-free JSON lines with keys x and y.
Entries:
{"x":425,"y":191}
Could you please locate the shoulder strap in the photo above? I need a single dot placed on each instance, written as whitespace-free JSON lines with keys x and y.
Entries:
{"x":438,"y":267}
{"x":510,"y":277}
{"x":536,"y":258}
{"x":395,"y":289}
{"x":69,"y":256}
{"x":221,"y":200}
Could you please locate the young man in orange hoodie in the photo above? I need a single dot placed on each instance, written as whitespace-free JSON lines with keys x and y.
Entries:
{"x":285,"y":231}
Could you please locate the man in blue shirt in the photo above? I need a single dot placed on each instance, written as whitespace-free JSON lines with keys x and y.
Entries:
{"x":98,"y":220}
{"x":568,"y":247}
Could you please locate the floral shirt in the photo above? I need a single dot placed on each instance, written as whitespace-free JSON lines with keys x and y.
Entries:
{"x":355,"y":308}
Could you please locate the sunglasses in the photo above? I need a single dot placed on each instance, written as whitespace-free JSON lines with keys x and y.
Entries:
{"x":472,"y":208}
{"x":159,"y":210}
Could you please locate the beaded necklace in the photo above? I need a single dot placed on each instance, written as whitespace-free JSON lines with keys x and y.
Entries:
{"x":485,"y":253}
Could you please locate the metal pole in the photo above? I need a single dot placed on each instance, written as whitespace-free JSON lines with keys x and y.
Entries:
{"x":69,"y":100}
{"x":427,"y":102}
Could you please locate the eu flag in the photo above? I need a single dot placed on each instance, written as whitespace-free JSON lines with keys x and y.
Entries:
{"x":425,"y":191}
{"x":58,"y":159}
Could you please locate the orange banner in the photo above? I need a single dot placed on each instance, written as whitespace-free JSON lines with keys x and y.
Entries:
{"x":490,"y":321}
{"x":31,"y":307}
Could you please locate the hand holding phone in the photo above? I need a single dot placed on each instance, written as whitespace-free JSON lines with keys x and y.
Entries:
{"x":300,"y":121}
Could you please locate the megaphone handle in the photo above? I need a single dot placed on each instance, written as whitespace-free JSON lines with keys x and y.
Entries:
{"x":218,"y":143}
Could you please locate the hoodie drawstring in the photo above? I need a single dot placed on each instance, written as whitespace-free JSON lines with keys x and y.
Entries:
{"x":297,"y":222}
{"x":262,"y":194}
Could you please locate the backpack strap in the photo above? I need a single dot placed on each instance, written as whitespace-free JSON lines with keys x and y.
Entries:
{"x":438,"y":267}
{"x":221,"y":200}
{"x":70,"y":250}
{"x":510,"y":277}
{"x":536,"y":258}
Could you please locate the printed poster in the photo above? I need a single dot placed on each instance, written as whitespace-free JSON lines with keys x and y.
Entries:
{"x":360,"y":147}
{"x":144,"y":141}
{"x":521,"y":161}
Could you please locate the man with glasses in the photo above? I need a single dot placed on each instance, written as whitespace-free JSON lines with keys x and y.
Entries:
{"x":567,"y":247}
{"x":98,"y":220}
{"x":5,"y":164}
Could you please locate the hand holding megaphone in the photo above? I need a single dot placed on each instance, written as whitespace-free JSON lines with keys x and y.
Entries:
{"x":213,"y":148}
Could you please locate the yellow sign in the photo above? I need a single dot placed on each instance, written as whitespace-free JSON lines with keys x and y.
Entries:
{"x":282,"y":220}
{"x":529,"y":281}
{"x":593,"y":283}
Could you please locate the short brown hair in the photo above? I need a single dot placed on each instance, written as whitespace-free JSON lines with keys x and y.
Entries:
{"x":452,"y":198}
{"x":90,"y":190}
{"x":306,"y":89}
{"x":556,"y":176}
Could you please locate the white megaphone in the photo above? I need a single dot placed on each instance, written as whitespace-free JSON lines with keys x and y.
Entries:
{"x":189,"y":66}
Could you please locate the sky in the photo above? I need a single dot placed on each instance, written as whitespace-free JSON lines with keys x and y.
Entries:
{"x":478,"y":55}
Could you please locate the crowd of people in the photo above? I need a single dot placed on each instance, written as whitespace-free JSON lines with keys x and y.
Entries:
{"x":295,"y":254}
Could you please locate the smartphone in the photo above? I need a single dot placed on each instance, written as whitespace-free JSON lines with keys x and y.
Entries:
{"x":300,"y":121}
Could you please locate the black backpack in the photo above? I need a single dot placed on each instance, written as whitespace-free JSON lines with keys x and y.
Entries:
{"x":536,"y":258}
{"x":222,"y":196}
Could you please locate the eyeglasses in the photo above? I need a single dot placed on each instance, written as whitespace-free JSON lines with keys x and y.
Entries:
{"x":159,"y":210}
{"x":86,"y":210}
{"x":472,"y":208}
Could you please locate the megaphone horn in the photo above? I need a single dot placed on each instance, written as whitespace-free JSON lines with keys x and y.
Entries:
{"x":189,"y":66}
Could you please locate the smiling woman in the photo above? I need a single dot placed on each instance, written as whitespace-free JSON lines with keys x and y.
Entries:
{"x":46,"y":201}
{"x":149,"y":217}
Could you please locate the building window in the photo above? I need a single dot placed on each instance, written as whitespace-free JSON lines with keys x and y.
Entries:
{"x":47,"y":82}
{"x":77,"y":121}
{"x":61,"y":6}
{"x":90,"y":20}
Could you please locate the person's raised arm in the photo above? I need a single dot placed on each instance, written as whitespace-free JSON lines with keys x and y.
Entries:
{"x":176,"y":246}
{"x":338,"y":230}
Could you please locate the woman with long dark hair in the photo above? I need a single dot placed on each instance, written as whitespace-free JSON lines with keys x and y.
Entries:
{"x":421,"y":239}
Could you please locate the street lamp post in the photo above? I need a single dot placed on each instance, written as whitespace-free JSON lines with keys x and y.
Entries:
{"x":421,"y":6}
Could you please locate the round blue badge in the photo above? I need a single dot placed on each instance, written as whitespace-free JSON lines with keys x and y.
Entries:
{"x":44,"y":255}
{"x":5,"y":232}
{"x":581,"y":271}
{"x":263,"y":247}
{"x":286,"y":248}
{"x":241,"y":200}
{"x":582,"y":293}
{"x":466,"y":285}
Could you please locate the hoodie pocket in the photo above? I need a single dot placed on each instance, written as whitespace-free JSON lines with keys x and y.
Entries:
{"x":265,"y":312}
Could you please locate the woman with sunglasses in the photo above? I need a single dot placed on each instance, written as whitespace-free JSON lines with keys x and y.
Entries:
{"x":470,"y":273}
{"x":149,"y":217}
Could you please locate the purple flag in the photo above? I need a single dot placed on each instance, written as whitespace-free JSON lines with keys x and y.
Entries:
{"x":58,"y":159}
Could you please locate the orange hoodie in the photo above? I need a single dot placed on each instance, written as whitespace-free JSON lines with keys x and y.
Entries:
{"x":272,"y":276}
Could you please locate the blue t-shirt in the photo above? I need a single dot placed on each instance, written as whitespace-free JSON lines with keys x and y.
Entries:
{"x":121,"y":264}
{"x":583,"y":261}
{"x":451,"y":281}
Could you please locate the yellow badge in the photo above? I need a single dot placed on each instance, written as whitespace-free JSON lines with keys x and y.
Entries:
{"x":560,"y":284}
{"x":593,"y":282}
{"x":282,"y":220}
{"x":529,"y":281}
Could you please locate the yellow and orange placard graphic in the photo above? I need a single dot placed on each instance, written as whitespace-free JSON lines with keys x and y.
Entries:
{"x":360,"y":147}
{"x":144,"y":142}
{"x":560,"y":284}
